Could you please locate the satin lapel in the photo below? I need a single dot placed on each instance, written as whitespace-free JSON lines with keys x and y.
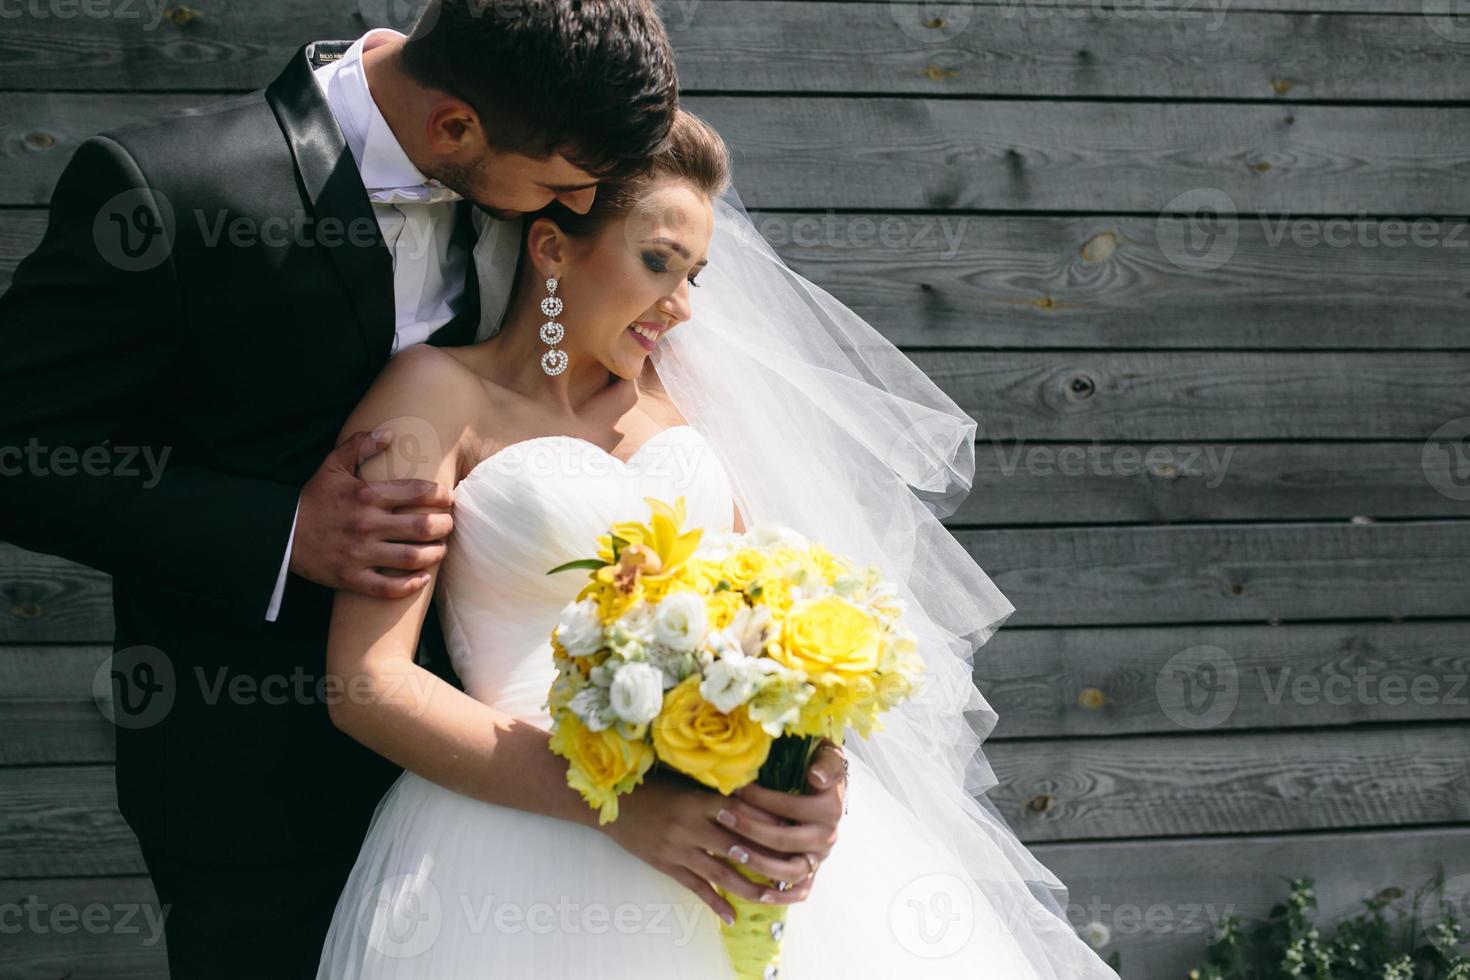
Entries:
{"x":461,"y":329}
{"x":335,"y":191}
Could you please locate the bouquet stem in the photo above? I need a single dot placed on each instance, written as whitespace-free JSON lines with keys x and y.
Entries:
{"x":753,"y":942}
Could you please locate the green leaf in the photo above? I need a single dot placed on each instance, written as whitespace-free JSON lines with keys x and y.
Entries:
{"x":579,"y":563}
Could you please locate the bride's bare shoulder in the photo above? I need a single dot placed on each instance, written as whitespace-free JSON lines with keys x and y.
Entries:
{"x":433,"y":375}
{"x":427,"y":393}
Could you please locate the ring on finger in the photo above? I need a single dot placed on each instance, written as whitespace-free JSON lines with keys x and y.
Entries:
{"x":812,"y":863}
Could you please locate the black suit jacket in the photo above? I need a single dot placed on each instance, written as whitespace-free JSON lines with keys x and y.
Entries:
{"x":212,"y":283}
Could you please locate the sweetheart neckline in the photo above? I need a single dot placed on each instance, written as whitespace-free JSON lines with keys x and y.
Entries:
{"x":577,"y":439}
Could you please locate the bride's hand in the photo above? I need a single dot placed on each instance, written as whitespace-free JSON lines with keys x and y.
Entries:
{"x":676,"y":828}
{"x":806,"y":823}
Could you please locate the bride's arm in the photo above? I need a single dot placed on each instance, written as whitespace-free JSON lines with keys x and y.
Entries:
{"x":386,"y":701}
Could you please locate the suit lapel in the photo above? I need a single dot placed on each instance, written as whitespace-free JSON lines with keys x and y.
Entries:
{"x":335,"y":191}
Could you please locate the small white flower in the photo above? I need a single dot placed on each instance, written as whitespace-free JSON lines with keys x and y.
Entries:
{"x":1095,"y":934}
{"x":729,"y":683}
{"x":752,"y":626}
{"x":637,"y":693}
{"x":721,"y":644}
{"x":590,"y":704}
{"x":780,"y":696}
{"x":680,"y":621}
{"x":630,"y":634}
{"x":579,"y":628}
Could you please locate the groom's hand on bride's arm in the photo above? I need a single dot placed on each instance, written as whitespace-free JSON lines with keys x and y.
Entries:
{"x":359,"y":535}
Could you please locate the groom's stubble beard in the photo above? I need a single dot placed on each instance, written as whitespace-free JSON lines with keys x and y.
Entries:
{"x":461,"y":180}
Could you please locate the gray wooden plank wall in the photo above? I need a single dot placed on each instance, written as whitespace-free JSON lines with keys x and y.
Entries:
{"x":1231,"y":442}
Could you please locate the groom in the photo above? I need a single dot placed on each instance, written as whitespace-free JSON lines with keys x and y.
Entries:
{"x":218,"y":288}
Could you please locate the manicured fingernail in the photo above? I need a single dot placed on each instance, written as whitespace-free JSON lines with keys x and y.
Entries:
{"x":819,"y":776}
{"x":728,"y":918}
{"x":726,"y":817}
{"x":739,"y":853}
{"x":768,"y":897}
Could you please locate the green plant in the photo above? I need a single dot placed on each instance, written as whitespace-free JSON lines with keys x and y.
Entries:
{"x":1424,"y":942}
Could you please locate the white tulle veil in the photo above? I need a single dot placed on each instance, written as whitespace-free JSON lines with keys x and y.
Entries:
{"x":824,"y":425}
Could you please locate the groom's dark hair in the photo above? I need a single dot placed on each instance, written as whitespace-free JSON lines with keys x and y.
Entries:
{"x":591,"y":79}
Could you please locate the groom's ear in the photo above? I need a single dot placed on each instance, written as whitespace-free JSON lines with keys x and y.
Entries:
{"x":453,"y":125}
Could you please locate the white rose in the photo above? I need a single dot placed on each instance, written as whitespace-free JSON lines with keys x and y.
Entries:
{"x":637,"y":693}
{"x":579,"y":628}
{"x":720,"y":644}
{"x":680,"y":621}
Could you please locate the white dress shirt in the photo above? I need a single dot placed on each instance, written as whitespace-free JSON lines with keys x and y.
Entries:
{"x":416,"y":216}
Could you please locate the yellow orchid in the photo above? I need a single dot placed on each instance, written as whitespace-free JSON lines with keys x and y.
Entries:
{"x":653,"y":552}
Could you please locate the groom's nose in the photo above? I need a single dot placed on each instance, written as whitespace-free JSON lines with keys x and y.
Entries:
{"x":579,"y":201}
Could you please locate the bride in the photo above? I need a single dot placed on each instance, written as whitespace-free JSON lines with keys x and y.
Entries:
{"x":771,"y":403}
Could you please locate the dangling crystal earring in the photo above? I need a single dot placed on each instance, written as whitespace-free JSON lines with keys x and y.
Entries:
{"x":553,"y":361}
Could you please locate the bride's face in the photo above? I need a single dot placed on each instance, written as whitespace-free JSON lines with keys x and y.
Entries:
{"x":627,"y":286}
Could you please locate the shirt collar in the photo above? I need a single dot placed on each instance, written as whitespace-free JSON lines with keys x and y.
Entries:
{"x":380,"y":160}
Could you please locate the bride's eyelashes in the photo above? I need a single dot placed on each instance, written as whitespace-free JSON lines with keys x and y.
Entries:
{"x":660,"y":264}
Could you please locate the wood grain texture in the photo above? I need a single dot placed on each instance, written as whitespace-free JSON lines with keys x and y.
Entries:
{"x":83,"y":928}
{"x":1103,"y":682}
{"x":975,"y":154}
{"x":1233,"y":783}
{"x":1105,"y":282}
{"x":1188,"y":395}
{"x":1227,"y":573}
{"x":1022,"y":49}
{"x":1019,"y":482}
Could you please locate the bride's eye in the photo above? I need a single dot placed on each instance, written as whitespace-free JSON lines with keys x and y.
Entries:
{"x":660,"y":264}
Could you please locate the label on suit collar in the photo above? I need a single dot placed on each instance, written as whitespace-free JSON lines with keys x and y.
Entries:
{"x":319,"y":53}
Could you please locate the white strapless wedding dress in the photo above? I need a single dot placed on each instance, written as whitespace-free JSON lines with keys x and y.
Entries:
{"x":446,"y":886}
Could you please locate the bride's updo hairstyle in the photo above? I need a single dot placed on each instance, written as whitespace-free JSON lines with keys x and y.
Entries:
{"x":693,"y":153}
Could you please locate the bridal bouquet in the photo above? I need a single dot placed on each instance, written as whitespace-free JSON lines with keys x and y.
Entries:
{"x":726,"y":657}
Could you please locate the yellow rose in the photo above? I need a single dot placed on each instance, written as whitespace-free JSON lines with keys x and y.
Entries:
{"x":722,"y":608}
{"x":743,"y":567}
{"x":723,"y":751}
{"x":602,"y":764}
{"x":773,"y":592}
{"x":828,"y":635}
{"x":829,"y":566}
